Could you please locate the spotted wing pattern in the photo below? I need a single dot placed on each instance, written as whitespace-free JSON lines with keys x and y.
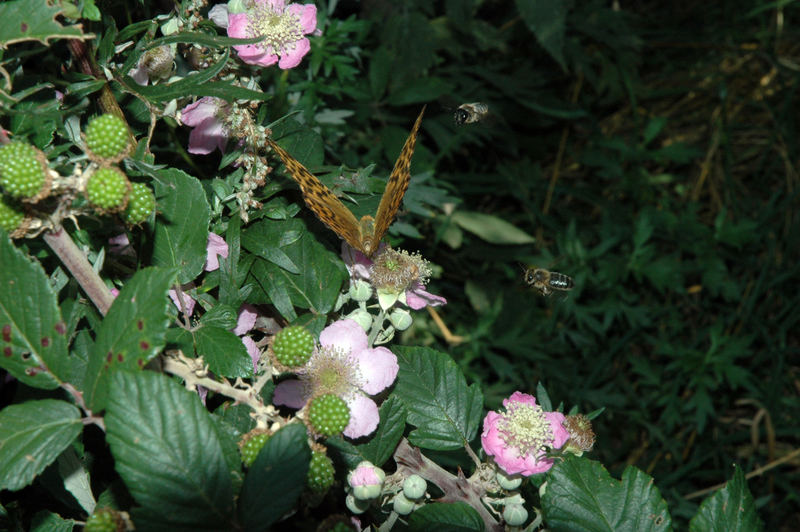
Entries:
{"x":366,"y":234}
{"x":397,"y":185}
{"x":321,"y":200}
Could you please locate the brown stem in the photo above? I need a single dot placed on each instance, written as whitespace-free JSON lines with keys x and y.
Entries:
{"x":75,"y":261}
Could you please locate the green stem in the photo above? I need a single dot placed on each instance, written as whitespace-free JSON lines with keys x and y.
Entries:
{"x":377,"y":326}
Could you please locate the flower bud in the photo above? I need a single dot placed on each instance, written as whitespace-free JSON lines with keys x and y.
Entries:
{"x":362,"y":317}
{"x":508,"y":482}
{"x":360,"y":290}
{"x":366,"y":481}
{"x":401,"y":319}
{"x":414,"y":487}
{"x":402,"y":505}
{"x":356,"y":506}
{"x":515,"y":514}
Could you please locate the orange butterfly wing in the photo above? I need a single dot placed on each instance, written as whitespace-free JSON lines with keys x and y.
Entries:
{"x":366,"y":234}
{"x":397,"y":185}
{"x":322,"y":201}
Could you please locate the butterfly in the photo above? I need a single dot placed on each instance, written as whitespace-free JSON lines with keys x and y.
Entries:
{"x":364,"y":234}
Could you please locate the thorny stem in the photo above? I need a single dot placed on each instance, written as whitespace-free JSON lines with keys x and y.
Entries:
{"x":456,"y":488}
{"x":472,"y":455}
{"x":194,"y":374}
{"x":77,"y":396}
{"x":75,"y":261}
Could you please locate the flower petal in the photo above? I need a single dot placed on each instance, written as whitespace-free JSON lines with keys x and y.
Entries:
{"x":364,"y":416}
{"x":378,"y":367}
{"x":346,"y":335}
{"x":139,"y":75}
{"x":246,"y":320}
{"x":307,"y":14}
{"x":519,"y":397}
{"x":560,"y":433}
{"x":207,"y":136}
{"x":219,"y":15}
{"x":418,"y":298}
{"x":194,"y":113}
{"x":252,"y":350}
{"x":291,"y":57}
{"x":216,"y":246}
{"x":357,"y":263}
{"x":188,"y":301}
{"x":237,"y":26}
{"x":289,"y":393}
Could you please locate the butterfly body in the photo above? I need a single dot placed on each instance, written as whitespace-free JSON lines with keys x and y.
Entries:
{"x":364,"y":234}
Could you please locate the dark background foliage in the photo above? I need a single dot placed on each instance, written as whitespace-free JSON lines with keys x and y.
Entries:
{"x":653,"y":154}
{"x":651,"y":149}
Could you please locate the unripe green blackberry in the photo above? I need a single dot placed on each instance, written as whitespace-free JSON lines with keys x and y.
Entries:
{"x":141,"y":203}
{"x":320,"y":472}
{"x":515,"y":514}
{"x":11,"y":216}
{"x":108,"y":189}
{"x":414,"y":487}
{"x":402,"y":505}
{"x":252,"y":446}
{"x":328,"y":414}
{"x":107,"y":137}
{"x":104,"y":520}
{"x":22,"y":172}
{"x":293,"y":346}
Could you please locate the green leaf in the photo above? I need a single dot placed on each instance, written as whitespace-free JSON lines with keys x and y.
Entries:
{"x":380,"y":68}
{"x":132,"y":333}
{"x":33,"y":345}
{"x":582,"y":496}
{"x":228,"y":437}
{"x":32,"y":435}
{"x":546,"y":19}
{"x":452,"y":517}
{"x":289,"y":248}
{"x":220,"y":315}
{"x":444,"y":409}
{"x":44,"y":521}
{"x":491,"y":228}
{"x":224,"y":352}
{"x":167,"y":451}
{"x":731,"y":509}
{"x":219,"y":89}
{"x":276,"y":479}
{"x":392,"y":424}
{"x":204,"y":39}
{"x":76,"y":479}
{"x":34,"y":20}
{"x":653,"y":128}
{"x":168,"y":91}
{"x":420,"y":90}
{"x":302,"y":142}
{"x":181,"y":232}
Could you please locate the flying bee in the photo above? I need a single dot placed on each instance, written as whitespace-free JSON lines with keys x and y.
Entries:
{"x":546,"y":281}
{"x":469,"y":113}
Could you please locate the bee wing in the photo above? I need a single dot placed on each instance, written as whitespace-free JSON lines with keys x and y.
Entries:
{"x":321,"y":200}
{"x":397,"y":185}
